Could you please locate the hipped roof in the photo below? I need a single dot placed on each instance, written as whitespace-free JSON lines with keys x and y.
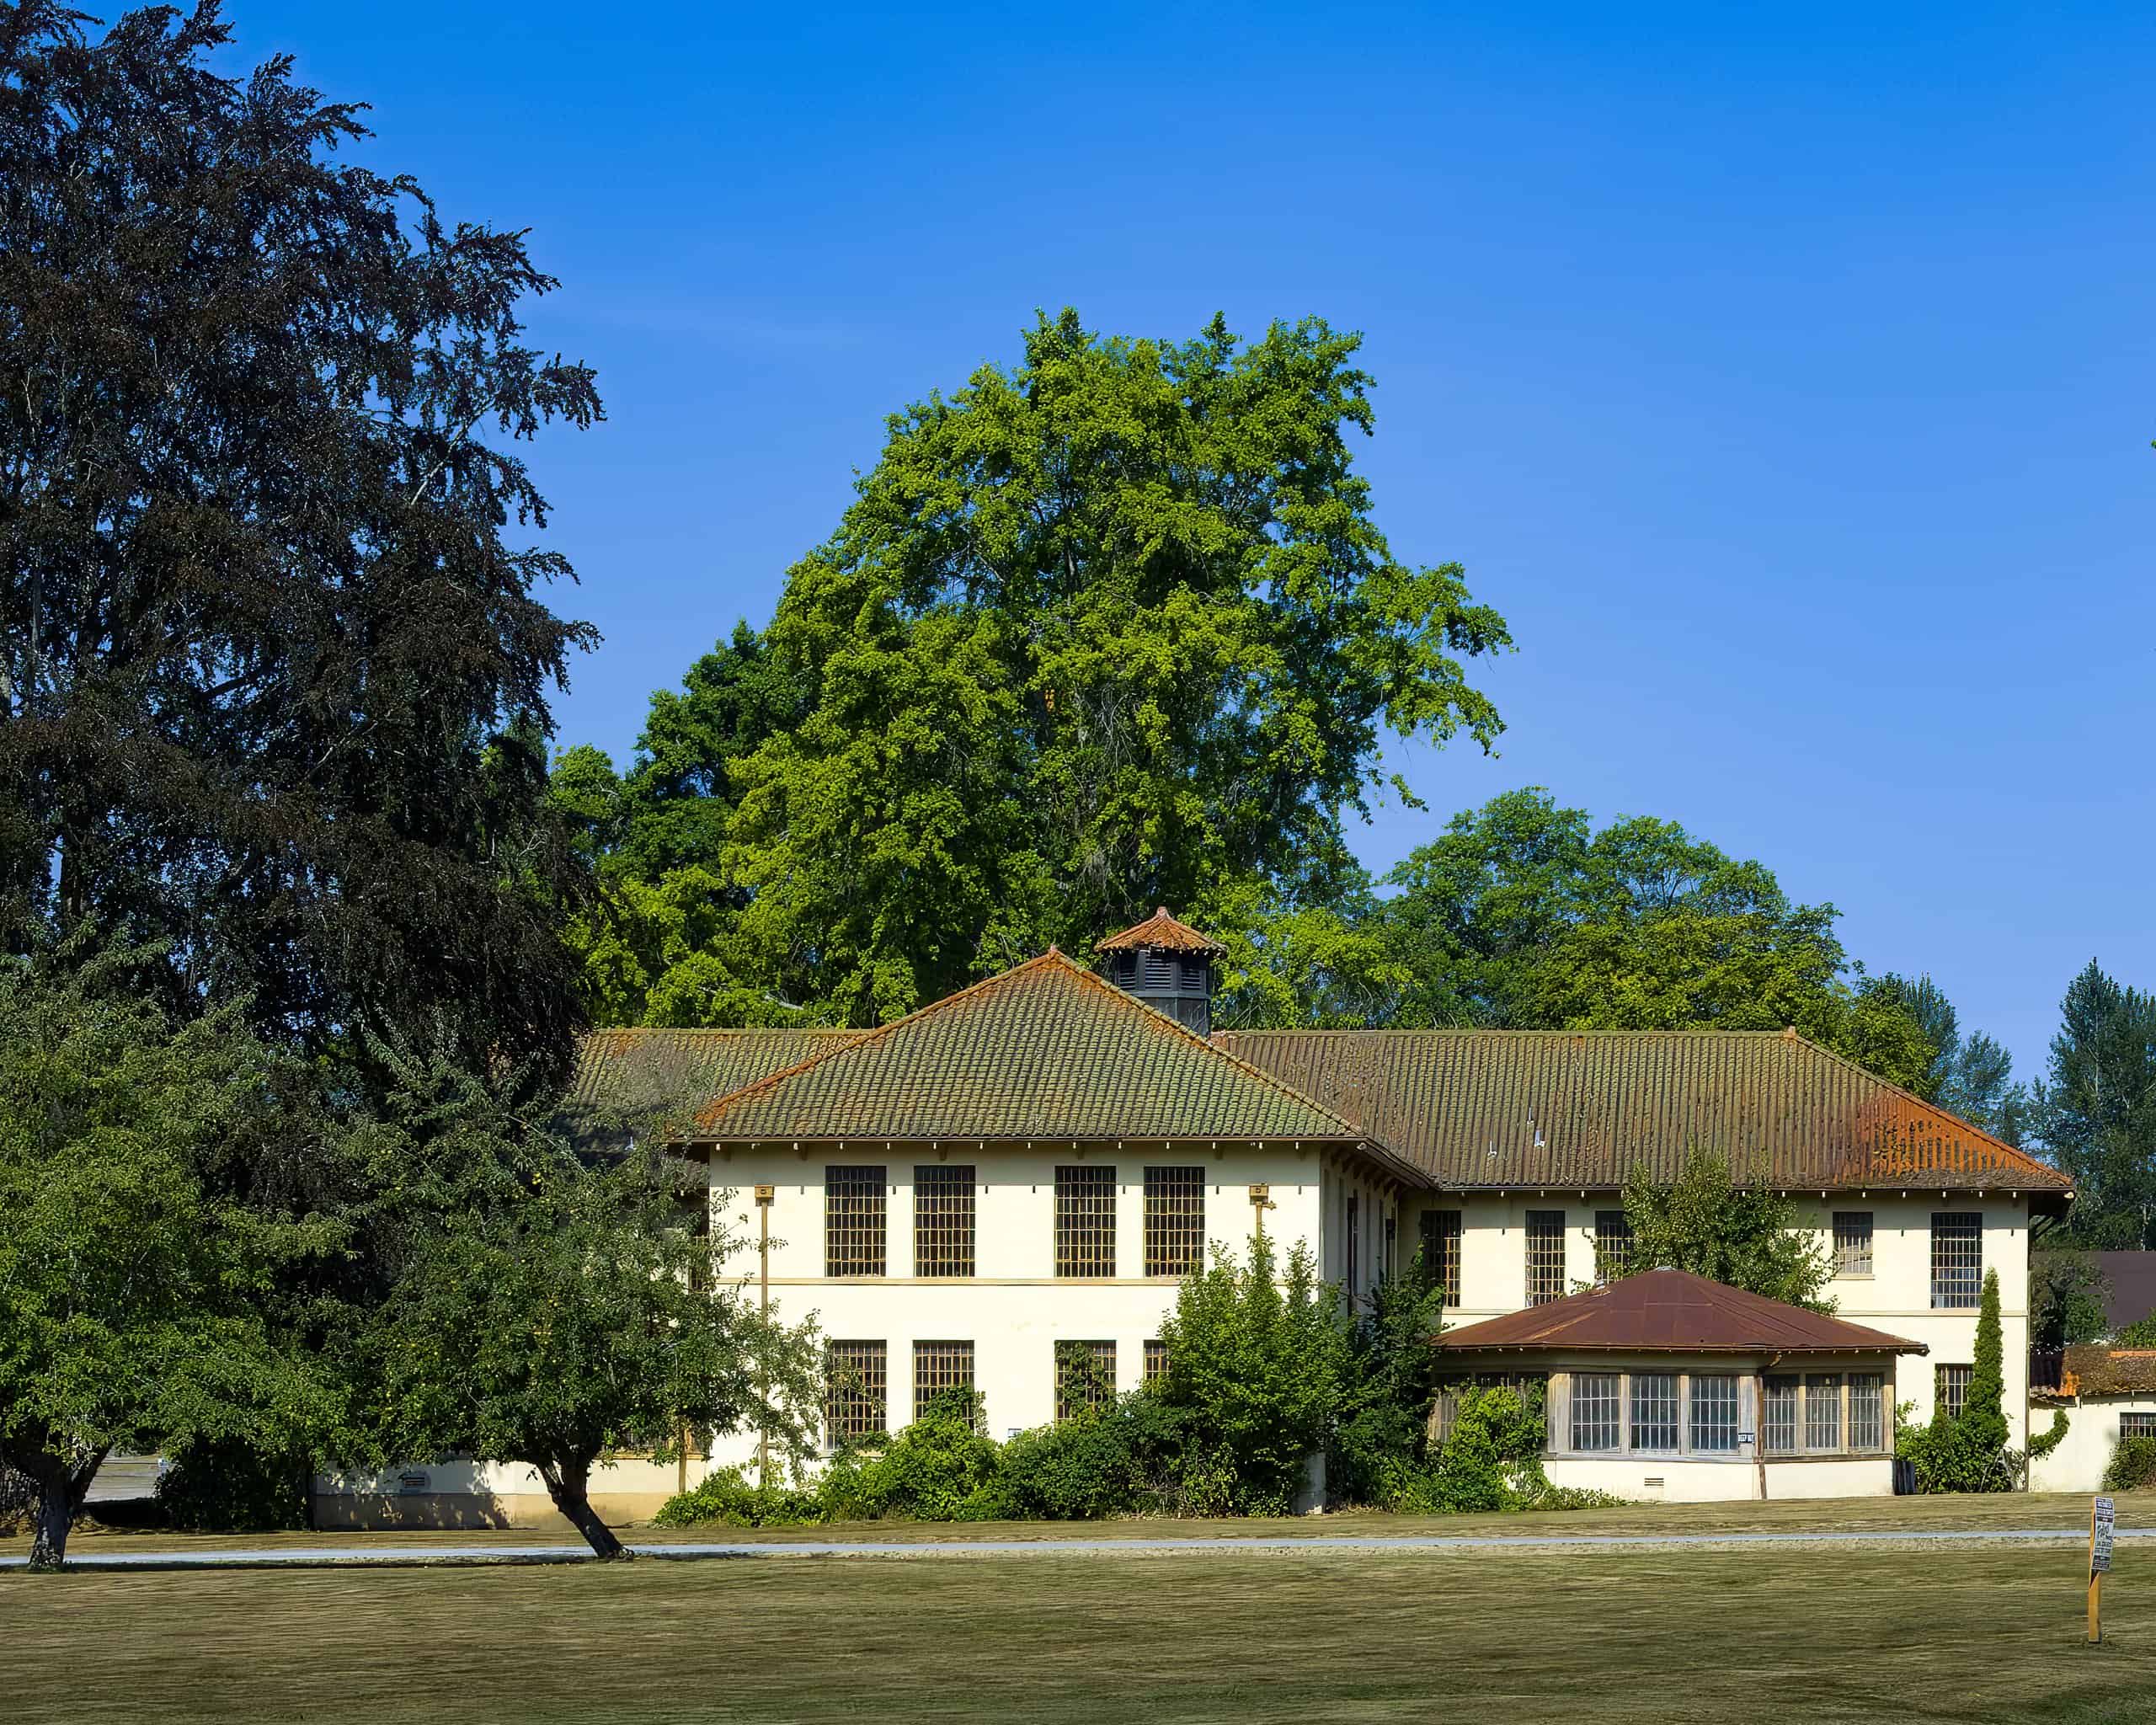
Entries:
{"x":1163,"y":931}
{"x":2098,"y":1370}
{"x":1046,"y":1051}
{"x":1512,"y":1109}
{"x":1672,"y":1311}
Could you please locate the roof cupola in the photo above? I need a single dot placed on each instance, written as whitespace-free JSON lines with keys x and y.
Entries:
{"x":1167,"y":965}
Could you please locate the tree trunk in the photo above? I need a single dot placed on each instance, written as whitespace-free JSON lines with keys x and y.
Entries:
{"x":60,"y":1490}
{"x":566,"y":1484}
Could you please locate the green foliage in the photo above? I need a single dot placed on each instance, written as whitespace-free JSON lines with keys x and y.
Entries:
{"x":1256,"y":1360}
{"x":1122,"y":1460}
{"x":1969,"y":1076}
{"x":1491,"y":1460}
{"x":1521,"y":916}
{"x":2040,"y":1447}
{"x":547,"y":1310}
{"x":1983,"y":1415}
{"x":273,"y":684}
{"x":2070,"y":1299}
{"x":1110,"y":628}
{"x":234,"y":1487}
{"x":1380,"y":1434}
{"x":2140,"y":1333}
{"x":2097,"y":1111}
{"x":137,"y":1277}
{"x":726,"y":1497}
{"x":2132,"y":1466}
{"x":940,"y":1468}
{"x":1745,"y":1237}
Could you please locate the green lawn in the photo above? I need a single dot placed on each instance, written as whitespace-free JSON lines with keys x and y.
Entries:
{"x":1805,"y":1635}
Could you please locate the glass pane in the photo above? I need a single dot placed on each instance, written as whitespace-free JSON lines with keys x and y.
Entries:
{"x":1595,"y":1425}
{"x":1714,"y":1414}
{"x":1654,"y":1411}
{"x":1822,"y":1410}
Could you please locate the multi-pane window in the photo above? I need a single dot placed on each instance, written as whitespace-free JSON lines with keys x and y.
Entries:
{"x":1595,"y":1422}
{"x":1085,"y":1377}
{"x":1613,"y":1246}
{"x":943,"y":1221}
{"x":1867,"y":1411}
{"x":1852,"y":1242}
{"x":1822,"y":1410}
{"x":1949,"y":1388}
{"x":854,"y":1390}
{"x":853,"y":1221}
{"x":1714,"y":1414}
{"x":1085,"y":1221}
{"x":1441,"y":1251}
{"x":1352,"y":1202}
{"x":1957,"y":1259}
{"x":1546,"y":1256}
{"x":1532,"y":1388}
{"x":1778,"y":1422}
{"x":938,"y":1366}
{"x":1654,"y":1410}
{"x":1156,"y":1359}
{"x":1174,"y":1221}
{"x":2137,"y":1425}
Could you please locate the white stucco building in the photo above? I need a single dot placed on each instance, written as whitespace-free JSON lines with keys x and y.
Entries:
{"x":1034,"y":1163}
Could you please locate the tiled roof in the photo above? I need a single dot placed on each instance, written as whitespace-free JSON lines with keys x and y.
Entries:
{"x":1163,"y":931}
{"x":1676,"y":1312}
{"x":2099,"y":1370}
{"x":1048,"y":1050}
{"x":633,"y":1070}
{"x":1582,"y":1109}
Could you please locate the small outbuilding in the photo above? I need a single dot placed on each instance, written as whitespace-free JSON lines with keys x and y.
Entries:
{"x":2109,"y":1396}
{"x":1666,"y":1385}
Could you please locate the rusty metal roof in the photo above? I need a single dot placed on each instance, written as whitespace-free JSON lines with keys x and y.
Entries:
{"x":1048,"y":1050}
{"x":1516,"y":1108}
{"x":2098,"y":1370}
{"x":1674,"y":1311}
{"x":1163,"y":931}
{"x":633,"y":1070}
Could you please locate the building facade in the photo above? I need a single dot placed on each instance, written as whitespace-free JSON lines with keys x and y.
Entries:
{"x":1022,"y":1174}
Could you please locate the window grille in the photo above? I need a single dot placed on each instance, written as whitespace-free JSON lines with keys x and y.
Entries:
{"x":1822,"y":1410}
{"x":1156,"y":1359}
{"x":1352,"y":1202}
{"x":2137,"y":1425}
{"x":1532,"y":1388}
{"x":853,"y":1221}
{"x":1085,"y":1377}
{"x":1085,"y":1221}
{"x":1595,"y":1410}
{"x":854,"y":1390}
{"x":1867,"y":1411}
{"x":938,"y":1366}
{"x":1441,"y":1251}
{"x":1546,"y":1256}
{"x":1613,"y":1246}
{"x":1957,"y":1259}
{"x":1654,"y":1410}
{"x":1852,"y":1242}
{"x":1714,"y":1414}
{"x":1778,"y":1424}
{"x":1174,"y":1221}
{"x":1949,"y":1388}
{"x":943,"y":1211}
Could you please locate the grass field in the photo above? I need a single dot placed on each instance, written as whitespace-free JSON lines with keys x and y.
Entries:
{"x":1806,"y":1634}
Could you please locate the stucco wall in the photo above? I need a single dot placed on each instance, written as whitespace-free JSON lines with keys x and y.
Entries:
{"x":2092,"y":1437}
{"x":1696,"y":1480}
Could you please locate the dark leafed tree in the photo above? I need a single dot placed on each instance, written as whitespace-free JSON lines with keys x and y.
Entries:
{"x":2095,"y":1111}
{"x":1970,"y":1075}
{"x":274,"y":661}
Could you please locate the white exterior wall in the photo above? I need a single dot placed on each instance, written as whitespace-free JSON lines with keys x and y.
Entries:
{"x":1642,"y":1479}
{"x":1896,"y":1297}
{"x":1015,"y":1309}
{"x":2092,"y":1438}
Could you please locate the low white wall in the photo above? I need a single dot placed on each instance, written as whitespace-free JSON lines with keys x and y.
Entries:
{"x":481,"y":1494}
{"x":1697,"y":1480}
{"x":2092,"y":1437}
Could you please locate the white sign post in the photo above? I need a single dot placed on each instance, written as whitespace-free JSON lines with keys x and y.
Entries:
{"x":2101,"y":1518}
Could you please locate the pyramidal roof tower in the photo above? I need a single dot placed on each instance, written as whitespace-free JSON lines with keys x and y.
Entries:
{"x":1167,"y":965}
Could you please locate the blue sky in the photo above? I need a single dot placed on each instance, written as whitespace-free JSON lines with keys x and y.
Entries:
{"x":1787,"y":381}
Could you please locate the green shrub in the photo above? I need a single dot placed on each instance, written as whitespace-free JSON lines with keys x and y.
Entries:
{"x":727,"y":1498}
{"x":2140,"y":1333}
{"x":233,"y":1487}
{"x":940,"y":1468}
{"x":2133,"y":1466}
{"x":1380,"y":1442}
{"x":2040,"y":1447}
{"x":1119,"y":1461}
{"x":1493,"y":1458}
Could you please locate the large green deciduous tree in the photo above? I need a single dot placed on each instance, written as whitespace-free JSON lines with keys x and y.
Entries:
{"x":546,"y":1307}
{"x":275,"y":664}
{"x":1522,"y":916}
{"x":1743,"y":1235}
{"x":2095,"y":1111}
{"x":1110,"y":628}
{"x":142,"y":1246}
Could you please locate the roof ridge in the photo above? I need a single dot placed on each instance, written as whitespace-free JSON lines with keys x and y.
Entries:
{"x":1505,"y":1030}
{"x":709,"y":1111}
